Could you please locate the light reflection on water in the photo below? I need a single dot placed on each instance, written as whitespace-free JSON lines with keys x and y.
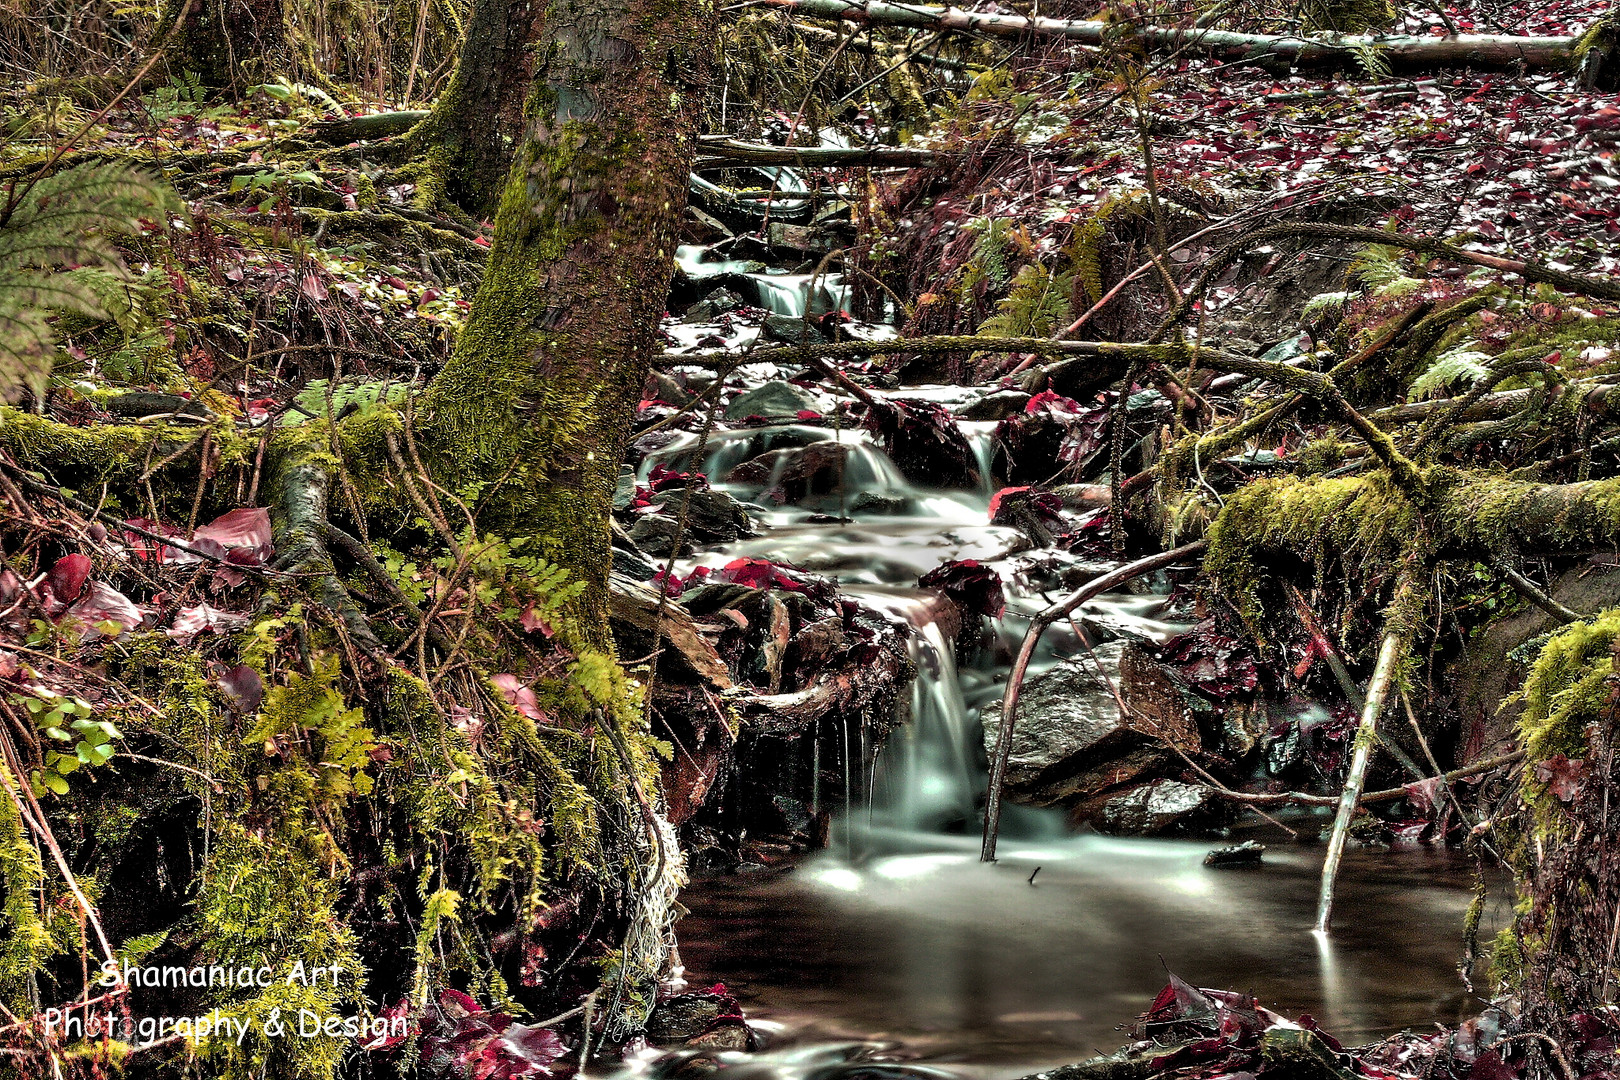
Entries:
{"x":966,"y":962}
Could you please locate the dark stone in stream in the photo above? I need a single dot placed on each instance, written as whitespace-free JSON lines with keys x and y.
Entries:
{"x":799,"y":471}
{"x":772,"y":399}
{"x":792,"y":331}
{"x":712,"y":517}
{"x":1071,"y":745}
{"x":1245,"y":854}
{"x":655,"y":534}
{"x":1160,"y":807}
{"x":712,"y":306}
{"x":994,"y":406}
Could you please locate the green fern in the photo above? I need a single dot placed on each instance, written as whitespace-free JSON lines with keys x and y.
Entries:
{"x":1461,"y":365}
{"x":1377,"y":266}
{"x":1037,"y":305}
{"x":57,"y":256}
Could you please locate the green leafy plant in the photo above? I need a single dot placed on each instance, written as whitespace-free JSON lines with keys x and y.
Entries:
{"x":71,"y":722}
{"x":49,"y":224}
{"x":270,"y":184}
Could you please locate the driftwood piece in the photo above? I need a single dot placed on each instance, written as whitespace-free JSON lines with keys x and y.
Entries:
{"x":636,"y":604}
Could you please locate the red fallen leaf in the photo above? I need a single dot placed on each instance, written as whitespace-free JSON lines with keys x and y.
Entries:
{"x":312,"y":288}
{"x":809,"y":414}
{"x":520,"y":697}
{"x":398,"y":1012}
{"x":191,"y":621}
{"x":669,"y":582}
{"x":68,"y":575}
{"x":103,"y":603}
{"x":995,"y":500}
{"x":1052,"y":400}
{"x":242,"y":687}
{"x":1563,"y":777}
{"x":532,"y":622}
{"x":398,"y":283}
{"x":1423,"y":796}
{"x":246,"y":530}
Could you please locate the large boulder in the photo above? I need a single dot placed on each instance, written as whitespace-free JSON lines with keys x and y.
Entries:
{"x":1071,"y":744}
{"x":773,"y":399}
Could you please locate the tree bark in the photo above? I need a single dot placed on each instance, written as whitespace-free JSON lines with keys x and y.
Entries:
{"x":1403,"y":53}
{"x":535,"y":403}
{"x":471,"y":133}
{"x":229,"y":44}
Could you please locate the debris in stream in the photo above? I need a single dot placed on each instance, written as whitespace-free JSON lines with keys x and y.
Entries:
{"x":1247,"y":853}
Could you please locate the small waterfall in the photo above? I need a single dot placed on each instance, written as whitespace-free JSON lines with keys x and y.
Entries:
{"x":927,"y":778}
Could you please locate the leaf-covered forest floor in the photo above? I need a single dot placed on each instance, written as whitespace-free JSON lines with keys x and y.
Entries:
{"x":148,"y":639}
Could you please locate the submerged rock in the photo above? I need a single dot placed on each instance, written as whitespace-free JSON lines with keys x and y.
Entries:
{"x":775,"y":398}
{"x":1245,"y":854}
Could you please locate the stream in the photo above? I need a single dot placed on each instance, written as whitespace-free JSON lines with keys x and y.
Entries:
{"x":898,"y":935}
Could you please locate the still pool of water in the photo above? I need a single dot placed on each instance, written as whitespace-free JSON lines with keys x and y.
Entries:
{"x":962,"y":962}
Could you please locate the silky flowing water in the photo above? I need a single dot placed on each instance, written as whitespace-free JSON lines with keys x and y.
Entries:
{"x":898,"y":934}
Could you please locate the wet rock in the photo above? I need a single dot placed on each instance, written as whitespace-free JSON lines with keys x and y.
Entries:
{"x":632,"y":564}
{"x":1243,"y":724}
{"x":1159,"y":807}
{"x":1245,"y":854}
{"x":661,"y":387}
{"x":775,"y":398}
{"x":1071,"y":745}
{"x":994,"y":406}
{"x":792,"y":331}
{"x":873,"y":502}
{"x":687,"y":1016}
{"x":655,"y":535}
{"x":711,"y":307}
{"x":713,"y":517}
{"x":1154,"y":692}
{"x":796,"y":473}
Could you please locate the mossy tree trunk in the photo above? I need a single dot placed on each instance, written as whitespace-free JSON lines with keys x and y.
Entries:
{"x":229,"y":44}
{"x":1559,"y":956}
{"x":477,"y":122}
{"x":537,"y":399}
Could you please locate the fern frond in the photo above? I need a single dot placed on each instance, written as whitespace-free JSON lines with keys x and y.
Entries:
{"x":57,"y":257}
{"x":1459,"y":366}
{"x":1037,"y":305}
{"x":69,"y":218}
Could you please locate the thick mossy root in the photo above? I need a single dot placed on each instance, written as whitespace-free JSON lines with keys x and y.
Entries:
{"x":302,"y":538}
{"x":1367,"y":524}
{"x":1557,"y":958}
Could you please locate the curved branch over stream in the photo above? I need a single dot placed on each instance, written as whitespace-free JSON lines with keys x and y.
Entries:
{"x":1020,"y":668}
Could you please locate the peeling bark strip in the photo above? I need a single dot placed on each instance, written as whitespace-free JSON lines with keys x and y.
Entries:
{"x":1464,"y":50}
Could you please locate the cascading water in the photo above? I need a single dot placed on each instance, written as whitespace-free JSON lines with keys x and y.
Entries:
{"x":897,"y":931}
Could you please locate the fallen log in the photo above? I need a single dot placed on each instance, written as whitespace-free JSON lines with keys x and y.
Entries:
{"x":719,"y":151}
{"x":1400,"y":52}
